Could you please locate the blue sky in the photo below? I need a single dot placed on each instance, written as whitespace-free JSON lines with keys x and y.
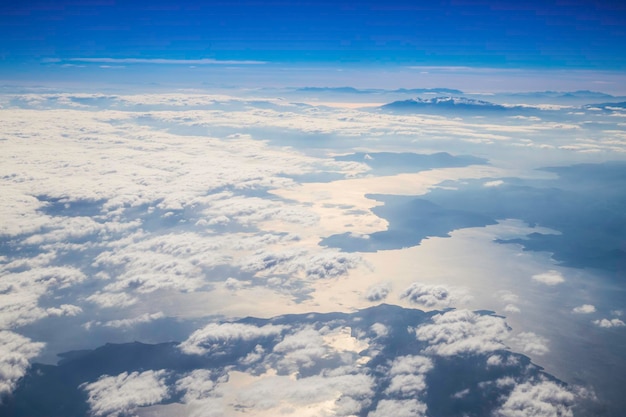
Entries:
{"x":540,"y":34}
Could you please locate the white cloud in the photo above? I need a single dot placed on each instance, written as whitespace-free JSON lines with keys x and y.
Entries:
{"x":507,"y":296}
{"x":537,"y":399}
{"x":406,"y":384}
{"x":64,"y":310}
{"x":608,"y":323}
{"x":256,"y":355}
{"x":551,"y":277}
{"x":411,"y":364}
{"x":461,"y":394}
{"x":301,"y":349}
{"x":495,"y":183}
{"x":112,"y":299}
{"x":147,"y":271}
{"x":380,"y":329}
{"x":233,"y":284}
{"x":498,"y":360}
{"x":16,"y":351}
{"x":133,"y":321}
{"x":584,"y":309}
{"x":407,"y":375}
{"x":428,"y":295}
{"x":512,"y":308}
{"x":531,"y":343}
{"x":197,"y":384}
{"x":158,"y":61}
{"x":378,"y":292}
{"x":319,"y":264}
{"x":399,"y":408}
{"x":462,"y":331}
{"x":21,"y":291}
{"x":119,"y":395}
{"x":211,"y":336}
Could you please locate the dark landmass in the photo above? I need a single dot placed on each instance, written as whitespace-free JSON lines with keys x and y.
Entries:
{"x":54,"y":391}
{"x":445,"y":104}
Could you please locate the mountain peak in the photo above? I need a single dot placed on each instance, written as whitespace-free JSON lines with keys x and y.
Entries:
{"x":443,"y":102}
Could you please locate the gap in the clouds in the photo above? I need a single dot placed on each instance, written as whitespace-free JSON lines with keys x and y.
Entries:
{"x":590,"y":236}
{"x":410,"y":220}
{"x":63,"y":206}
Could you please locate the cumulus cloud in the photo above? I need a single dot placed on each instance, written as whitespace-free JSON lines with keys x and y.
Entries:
{"x":378,"y":292}
{"x":380,"y":329}
{"x":211,"y":336}
{"x":330,"y":264}
{"x":406,"y":385}
{"x":531,"y":343}
{"x":428,"y":295}
{"x":119,"y":395}
{"x":233,"y":284}
{"x":301,"y":349}
{"x":16,"y":351}
{"x":147,"y":271}
{"x":551,"y":277}
{"x":250,"y":211}
{"x":462,"y":331}
{"x":411,"y":364}
{"x":407,"y":375}
{"x":511,"y":308}
{"x":150,"y":219}
{"x":498,"y":360}
{"x":609,"y":323}
{"x":256,"y":355}
{"x":537,"y":399}
{"x":399,"y":408}
{"x":64,"y":310}
{"x":197,"y":384}
{"x":584,"y":309}
{"x":20,"y":292}
{"x":326,"y":263}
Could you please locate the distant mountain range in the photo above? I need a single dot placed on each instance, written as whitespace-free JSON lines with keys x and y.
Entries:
{"x":564,"y":94}
{"x":444,"y":103}
{"x":352,"y":90}
{"x":469,"y":105}
{"x":579,"y":94}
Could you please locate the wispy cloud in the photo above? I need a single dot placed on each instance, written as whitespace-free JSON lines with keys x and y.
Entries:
{"x":162,"y":61}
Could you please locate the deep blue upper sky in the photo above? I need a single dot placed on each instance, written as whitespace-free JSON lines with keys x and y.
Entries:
{"x":523,"y":34}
